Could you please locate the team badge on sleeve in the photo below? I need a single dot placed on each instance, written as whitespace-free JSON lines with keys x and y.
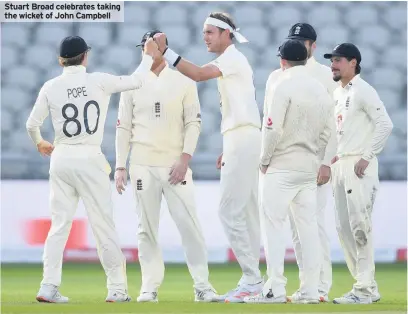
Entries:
{"x":269,"y":121}
{"x":118,"y":123}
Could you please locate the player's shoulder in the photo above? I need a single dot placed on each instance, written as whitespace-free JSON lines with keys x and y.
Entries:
{"x":361,"y":83}
{"x":98,"y":75}
{"x":281,"y":80}
{"x":232,"y":53}
{"x":274,"y":75}
{"x":48,"y":85}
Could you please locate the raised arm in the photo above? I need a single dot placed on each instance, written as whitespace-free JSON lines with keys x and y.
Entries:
{"x":196,"y":73}
{"x":115,"y":84}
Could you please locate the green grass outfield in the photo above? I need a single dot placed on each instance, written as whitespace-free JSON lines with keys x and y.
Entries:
{"x":85,"y":284}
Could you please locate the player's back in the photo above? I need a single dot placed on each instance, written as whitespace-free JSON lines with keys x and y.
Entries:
{"x":306,"y":116}
{"x":78,"y":104}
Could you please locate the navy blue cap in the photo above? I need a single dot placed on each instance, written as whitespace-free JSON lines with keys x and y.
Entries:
{"x":73,"y":46}
{"x":148,"y":35}
{"x":293,"y":50}
{"x":346,"y":50}
{"x":302,"y":31}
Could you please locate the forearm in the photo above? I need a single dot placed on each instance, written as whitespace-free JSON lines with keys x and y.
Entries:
{"x":122,"y":144}
{"x":33,"y":128}
{"x":139,"y":75}
{"x":191,"y":135}
{"x":383,"y":128}
{"x":194,"y":72}
{"x":35,"y":134}
{"x":328,"y":150}
{"x":116,"y":84}
{"x":270,"y":139}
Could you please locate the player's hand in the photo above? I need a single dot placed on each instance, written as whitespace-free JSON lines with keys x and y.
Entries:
{"x":219,"y":162}
{"x":360,"y":167}
{"x":160,"y":39}
{"x":150,"y":48}
{"x":120,"y":180}
{"x":324,"y":175}
{"x":45,"y":148}
{"x":179,"y":169}
{"x":263,"y":168}
{"x":334,"y":159}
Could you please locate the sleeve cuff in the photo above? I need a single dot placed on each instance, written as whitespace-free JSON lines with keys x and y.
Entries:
{"x":192,"y":134}
{"x":367,"y":156}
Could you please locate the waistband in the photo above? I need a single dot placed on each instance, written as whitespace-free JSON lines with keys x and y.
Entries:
{"x":249,"y":128}
{"x":79,"y":150}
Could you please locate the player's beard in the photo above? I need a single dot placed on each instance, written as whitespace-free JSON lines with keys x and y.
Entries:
{"x":336,"y":77}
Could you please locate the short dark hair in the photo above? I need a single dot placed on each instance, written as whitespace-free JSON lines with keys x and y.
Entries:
{"x":77,"y":60}
{"x":225,"y":17}
{"x":296,"y":63}
{"x":358,"y":67}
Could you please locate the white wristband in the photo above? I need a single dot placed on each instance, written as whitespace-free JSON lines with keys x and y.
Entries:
{"x":171,"y":57}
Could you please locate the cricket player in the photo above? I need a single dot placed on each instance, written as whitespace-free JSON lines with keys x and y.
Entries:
{"x":78,"y":102}
{"x":240,"y":127}
{"x":363,"y":127}
{"x":162,"y":121}
{"x":306,"y":33}
{"x":295,"y":134}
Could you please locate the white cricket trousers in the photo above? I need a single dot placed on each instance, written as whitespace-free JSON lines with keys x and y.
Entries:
{"x":239,"y":211}
{"x":149,"y":184}
{"x":325,"y":279}
{"x":295,"y":191}
{"x":354,"y":201}
{"x":79,"y":171}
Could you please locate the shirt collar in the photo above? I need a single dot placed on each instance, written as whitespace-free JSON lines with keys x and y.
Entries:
{"x":229,"y":48}
{"x":295,"y":69}
{"x":161,"y":74}
{"x":352,"y":82}
{"x":311,"y":61}
{"x":74,"y":69}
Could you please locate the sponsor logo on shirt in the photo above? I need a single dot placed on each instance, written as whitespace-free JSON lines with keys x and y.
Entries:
{"x":118,"y":123}
{"x":269,"y":122}
{"x":139,"y":185}
{"x":347,"y":102}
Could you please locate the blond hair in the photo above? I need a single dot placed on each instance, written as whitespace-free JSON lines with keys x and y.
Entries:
{"x":77,"y":60}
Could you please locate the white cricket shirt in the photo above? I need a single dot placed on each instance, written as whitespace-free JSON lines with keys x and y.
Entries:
{"x":362,"y":122}
{"x":161,"y":120}
{"x":298,"y":125}
{"x":78,"y":102}
{"x":324,"y":75}
{"x":236,"y":87}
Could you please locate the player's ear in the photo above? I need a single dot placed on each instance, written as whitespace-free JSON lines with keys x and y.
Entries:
{"x":60,"y":61}
{"x":282,"y":63}
{"x":314,"y":45}
{"x":85,"y":60}
{"x":226,"y":33}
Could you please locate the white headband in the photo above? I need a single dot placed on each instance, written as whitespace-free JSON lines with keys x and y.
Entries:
{"x":216,"y":22}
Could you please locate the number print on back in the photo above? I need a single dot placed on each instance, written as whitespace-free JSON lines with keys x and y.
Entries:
{"x":74,"y":119}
